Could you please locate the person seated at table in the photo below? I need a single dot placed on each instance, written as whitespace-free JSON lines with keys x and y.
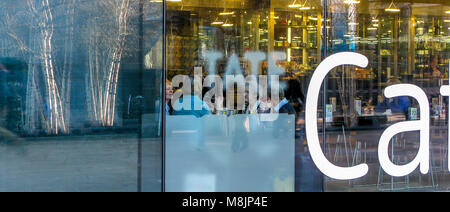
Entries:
{"x":399,"y":104}
{"x":205,"y":110}
{"x":382,"y":104}
{"x":294,"y":93}
{"x":169,"y":96}
{"x":432,"y":86}
{"x":267,"y":104}
{"x":433,"y":69}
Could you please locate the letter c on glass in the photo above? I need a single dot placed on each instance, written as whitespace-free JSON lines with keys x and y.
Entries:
{"x":325,"y":166}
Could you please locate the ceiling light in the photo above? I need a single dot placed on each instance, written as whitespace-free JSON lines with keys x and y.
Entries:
{"x":300,"y":6}
{"x":226,"y":13}
{"x":392,"y":8}
{"x":295,"y":5}
{"x":352,"y":1}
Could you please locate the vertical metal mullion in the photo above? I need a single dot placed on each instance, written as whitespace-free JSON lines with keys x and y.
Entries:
{"x":141,"y":73}
{"x":325,"y":82}
{"x":163,"y":122}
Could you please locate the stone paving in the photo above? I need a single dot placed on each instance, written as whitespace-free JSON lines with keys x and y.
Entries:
{"x":84,"y":163}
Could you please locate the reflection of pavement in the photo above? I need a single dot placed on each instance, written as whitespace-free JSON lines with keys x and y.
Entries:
{"x":9,"y":136}
{"x":88,"y":163}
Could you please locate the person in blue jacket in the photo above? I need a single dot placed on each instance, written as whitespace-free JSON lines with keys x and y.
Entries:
{"x":399,"y":104}
{"x":192,"y":111}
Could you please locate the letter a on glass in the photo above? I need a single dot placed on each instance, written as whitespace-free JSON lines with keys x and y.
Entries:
{"x":423,"y":125}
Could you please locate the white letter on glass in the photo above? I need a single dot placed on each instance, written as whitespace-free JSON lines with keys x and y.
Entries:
{"x":422,"y":125}
{"x":327,"y":168}
{"x":255,"y":59}
{"x":445,"y":91}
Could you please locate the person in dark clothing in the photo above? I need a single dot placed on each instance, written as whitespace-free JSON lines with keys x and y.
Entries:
{"x":285,"y":107}
{"x":4,"y":110}
{"x":382,"y":104}
{"x":435,"y":76}
{"x":4,"y":91}
{"x":269,"y":104}
{"x":294,"y":94}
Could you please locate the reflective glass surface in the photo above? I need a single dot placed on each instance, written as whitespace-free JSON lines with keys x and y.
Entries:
{"x":226,"y":57}
{"x":78,"y":80}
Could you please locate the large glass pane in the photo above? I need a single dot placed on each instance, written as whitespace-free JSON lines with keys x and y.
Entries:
{"x":406,"y":42}
{"x":152,"y":93}
{"x":239,"y":72}
{"x":78,"y":104}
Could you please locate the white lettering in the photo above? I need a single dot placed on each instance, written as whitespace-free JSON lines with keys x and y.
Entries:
{"x":327,"y":168}
{"x":255,"y":59}
{"x":215,"y":92}
{"x":185,"y":92}
{"x":212,"y":58}
{"x":445,"y":91}
{"x":422,"y":157}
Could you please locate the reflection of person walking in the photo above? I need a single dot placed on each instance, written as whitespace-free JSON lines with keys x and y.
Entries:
{"x":4,"y":94}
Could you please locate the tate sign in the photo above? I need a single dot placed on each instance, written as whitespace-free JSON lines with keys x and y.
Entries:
{"x":347,"y":173}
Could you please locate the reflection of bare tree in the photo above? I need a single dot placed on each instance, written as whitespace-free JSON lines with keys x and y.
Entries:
{"x":56,"y":79}
{"x":42,"y":31}
{"x":106,"y":47}
{"x":68,"y":57}
{"x":12,"y":25}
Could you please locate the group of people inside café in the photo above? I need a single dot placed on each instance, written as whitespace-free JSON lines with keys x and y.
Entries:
{"x":292,"y":98}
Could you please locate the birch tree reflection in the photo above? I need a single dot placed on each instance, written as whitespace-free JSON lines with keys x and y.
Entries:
{"x":56,"y":74}
{"x":74,"y":52}
{"x":107,"y":34}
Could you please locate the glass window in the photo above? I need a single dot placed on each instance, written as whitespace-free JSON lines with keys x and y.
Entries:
{"x":197,"y":95}
{"x":239,"y":73}
{"x":79,"y":85}
{"x":231,"y":126}
{"x":406,"y":42}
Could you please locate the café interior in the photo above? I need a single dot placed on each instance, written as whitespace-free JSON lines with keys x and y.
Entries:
{"x":406,"y":41}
